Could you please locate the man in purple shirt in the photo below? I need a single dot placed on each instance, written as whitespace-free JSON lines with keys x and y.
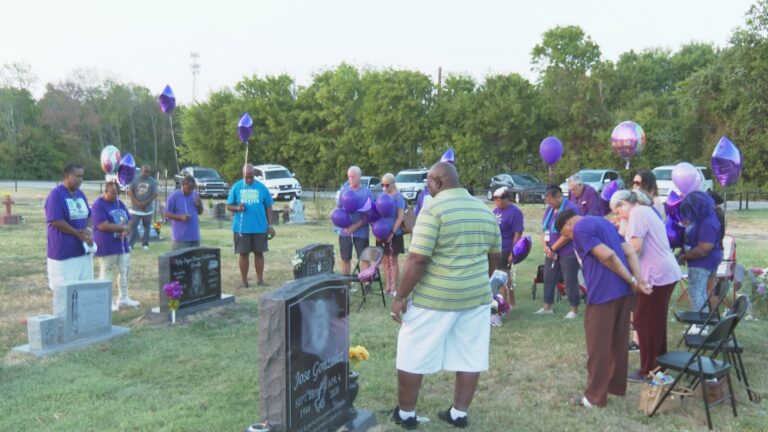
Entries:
{"x":611,"y":272}
{"x":183,"y":208}
{"x":584,"y":196}
{"x":560,"y":261}
{"x":356,"y":234}
{"x":69,"y":238}
{"x":510,"y":220}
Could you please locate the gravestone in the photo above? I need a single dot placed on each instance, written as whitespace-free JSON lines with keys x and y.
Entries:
{"x":317,"y":258}
{"x":153,"y":234}
{"x":304,"y":357}
{"x":198,"y":270}
{"x":296,"y":211}
{"x":82,"y":315}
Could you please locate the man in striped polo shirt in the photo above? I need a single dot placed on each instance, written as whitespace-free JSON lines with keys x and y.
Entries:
{"x":456,"y":245}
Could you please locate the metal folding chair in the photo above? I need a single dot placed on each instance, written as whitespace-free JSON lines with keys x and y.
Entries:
{"x":372,"y":255}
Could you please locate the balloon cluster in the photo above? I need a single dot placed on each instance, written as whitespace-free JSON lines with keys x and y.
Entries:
{"x":124,"y":168}
{"x":381,"y":213}
{"x":686,"y":177}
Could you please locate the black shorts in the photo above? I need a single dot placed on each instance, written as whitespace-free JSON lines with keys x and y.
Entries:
{"x":397,"y":245}
{"x":345,"y":246}
{"x":504,"y":260}
{"x":247,"y":243}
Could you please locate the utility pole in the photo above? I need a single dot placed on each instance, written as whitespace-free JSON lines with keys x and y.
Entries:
{"x":195,"y":66}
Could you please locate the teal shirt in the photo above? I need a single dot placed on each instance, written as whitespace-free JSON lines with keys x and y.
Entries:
{"x":256,"y":197}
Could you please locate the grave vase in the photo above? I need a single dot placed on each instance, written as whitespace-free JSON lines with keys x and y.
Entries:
{"x":352,"y":389}
{"x":173,"y":316}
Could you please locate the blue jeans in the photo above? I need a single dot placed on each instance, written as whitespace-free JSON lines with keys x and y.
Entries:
{"x":697,"y":286}
{"x":146,"y":222}
{"x":568,"y":267}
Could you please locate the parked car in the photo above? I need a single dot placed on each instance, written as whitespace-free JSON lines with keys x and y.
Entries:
{"x":209,"y":182}
{"x":523,"y":188}
{"x":410,"y":182}
{"x":597,"y":178}
{"x":666,"y":185}
{"x":373,"y":183}
{"x":279,"y":180}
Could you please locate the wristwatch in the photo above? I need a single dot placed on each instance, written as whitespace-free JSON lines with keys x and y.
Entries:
{"x":632,"y":281}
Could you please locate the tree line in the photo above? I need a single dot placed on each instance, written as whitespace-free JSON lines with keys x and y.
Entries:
{"x":385,"y":120}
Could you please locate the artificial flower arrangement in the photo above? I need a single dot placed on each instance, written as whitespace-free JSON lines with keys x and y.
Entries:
{"x":358,"y":354}
{"x":759,"y":280}
{"x":157,"y":226}
{"x":297,"y":260}
{"x":173,"y":291}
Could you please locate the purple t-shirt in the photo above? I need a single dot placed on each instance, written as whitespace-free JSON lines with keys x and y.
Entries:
{"x":603,"y":285}
{"x":548,"y":226}
{"x":363,"y":194}
{"x":706,"y":231}
{"x":423,"y":198}
{"x":510,"y":222}
{"x":399,"y":204}
{"x":658,"y":265}
{"x":588,"y":202}
{"x":180,"y":204}
{"x":109,"y":243}
{"x":73,"y":209}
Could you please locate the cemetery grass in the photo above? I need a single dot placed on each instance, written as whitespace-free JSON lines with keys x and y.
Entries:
{"x":201,"y":375}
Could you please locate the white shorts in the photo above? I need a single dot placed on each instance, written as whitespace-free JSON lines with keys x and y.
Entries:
{"x":72,"y":269}
{"x":431,"y":340}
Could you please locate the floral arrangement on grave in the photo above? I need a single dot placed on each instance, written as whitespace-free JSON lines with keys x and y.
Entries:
{"x":173,"y":291}
{"x":760,"y":280}
{"x":358,"y":354}
{"x":297,"y":261}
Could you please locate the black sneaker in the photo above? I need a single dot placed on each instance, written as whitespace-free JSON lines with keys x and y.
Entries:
{"x":460,"y":422}
{"x":409,"y":424}
{"x":633,"y":347}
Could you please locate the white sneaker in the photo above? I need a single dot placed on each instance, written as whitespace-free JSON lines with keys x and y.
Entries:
{"x":129,"y":302}
{"x":543,"y":311}
{"x":115,"y":307}
{"x":146,"y":247}
{"x":496,"y":321}
{"x":571,"y":315}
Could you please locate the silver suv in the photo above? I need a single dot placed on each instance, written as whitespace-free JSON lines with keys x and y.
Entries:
{"x":410,"y":182}
{"x":281,"y":183}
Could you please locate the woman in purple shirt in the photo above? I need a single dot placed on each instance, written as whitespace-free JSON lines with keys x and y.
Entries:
{"x":648,"y":237}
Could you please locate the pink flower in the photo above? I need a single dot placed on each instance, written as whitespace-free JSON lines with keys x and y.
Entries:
{"x":757,"y":271}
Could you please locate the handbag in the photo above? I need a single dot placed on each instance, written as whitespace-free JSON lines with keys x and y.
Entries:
{"x":409,"y":220}
{"x":650,"y":396}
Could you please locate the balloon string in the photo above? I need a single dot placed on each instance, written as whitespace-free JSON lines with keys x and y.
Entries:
{"x":173,"y":139}
{"x":626,"y":166}
{"x":550,"y":174}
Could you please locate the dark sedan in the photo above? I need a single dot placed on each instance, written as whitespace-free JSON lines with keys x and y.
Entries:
{"x":523,"y":188}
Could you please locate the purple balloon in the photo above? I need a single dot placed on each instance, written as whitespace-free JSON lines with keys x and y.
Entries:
{"x":382,"y":227}
{"x":675,"y":233}
{"x":386,"y":206}
{"x":448,"y":156}
{"x":628,"y":139}
{"x":686,"y":177}
{"x":521,"y":249}
{"x":127,"y":170}
{"x":373,"y":214}
{"x":349,"y":201}
{"x":726,"y":162}
{"x":245,"y":127}
{"x":366,"y":206}
{"x":167,"y":100}
{"x":551,"y":150}
{"x":609,"y":189}
{"x":341,"y":218}
{"x":673,"y":199}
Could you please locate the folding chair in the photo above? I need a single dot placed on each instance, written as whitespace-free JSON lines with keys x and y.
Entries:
{"x":731,"y":346}
{"x":702,"y":317}
{"x":701,"y":367}
{"x":373,"y":256}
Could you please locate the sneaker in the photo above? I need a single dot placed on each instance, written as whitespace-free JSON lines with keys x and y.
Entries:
{"x":408,"y":424}
{"x":636,"y":377}
{"x":129,"y":302}
{"x":460,"y":422}
{"x":571,"y":315}
{"x":115,"y":307}
{"x":496,"y":320}
{"x":543,"y":311}
{"x":146,"y":247}
{"x":633,"y":347}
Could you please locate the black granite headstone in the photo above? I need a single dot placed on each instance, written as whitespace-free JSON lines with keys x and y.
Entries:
{"x":198,"y":270}
{"x":313,"y":259}
{"x":304,"y":355}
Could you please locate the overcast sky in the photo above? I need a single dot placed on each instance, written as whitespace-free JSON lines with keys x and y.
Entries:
{"x":148,"y":42}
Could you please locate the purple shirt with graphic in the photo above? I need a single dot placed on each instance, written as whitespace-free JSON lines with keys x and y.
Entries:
{"x":603,"y":285}
{"x":548,"y":225}
{"x":180,"y":204}
{"x":706,"y":231}
{"x":510,"y":222}
{"x":363,"y":194}
{"x":73,"y":209}
{"x":109,"y":243}
{"x":588,"y":202}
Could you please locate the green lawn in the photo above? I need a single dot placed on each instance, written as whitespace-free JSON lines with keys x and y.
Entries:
{"x":201,"y":375}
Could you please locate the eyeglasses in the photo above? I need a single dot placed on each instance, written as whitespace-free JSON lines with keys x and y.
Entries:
{"x":385,"y":185}
{"x":636,"y":182}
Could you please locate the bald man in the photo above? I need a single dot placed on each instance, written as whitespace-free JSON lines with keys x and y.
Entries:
{"x":445,"y":325}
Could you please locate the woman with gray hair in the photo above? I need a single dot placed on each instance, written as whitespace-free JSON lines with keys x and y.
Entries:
{"x":394,"y":244}
{"x":648,"y":237}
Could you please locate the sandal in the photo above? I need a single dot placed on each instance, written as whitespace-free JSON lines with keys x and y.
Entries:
{"x":579,"y":401}
{"x":243,"y":285}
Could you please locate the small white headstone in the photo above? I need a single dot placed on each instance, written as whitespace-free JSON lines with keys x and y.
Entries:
{"x":42,"y":331}
{"x":85,"y":308}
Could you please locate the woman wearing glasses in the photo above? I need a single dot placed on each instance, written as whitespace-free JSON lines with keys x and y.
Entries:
{"x":645,"y":181}
{"x":394,"y":245}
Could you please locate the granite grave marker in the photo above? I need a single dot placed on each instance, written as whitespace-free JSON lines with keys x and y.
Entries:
{"x":315,"y":259}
